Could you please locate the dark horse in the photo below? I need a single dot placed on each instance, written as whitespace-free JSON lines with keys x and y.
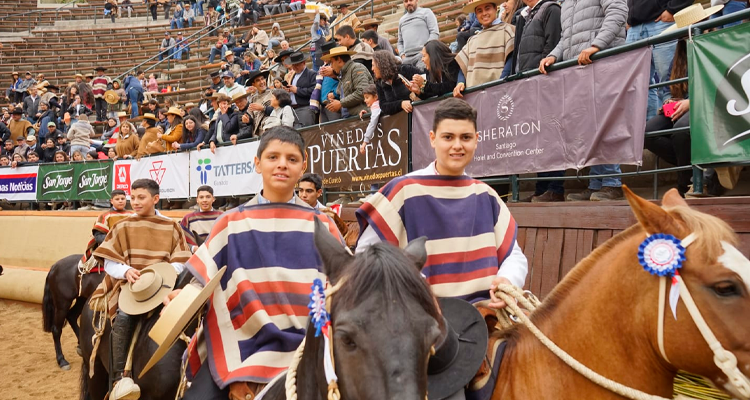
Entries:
{"x":385,"y":320}
{"x":61,"y":301}
{"x":160,"y":382}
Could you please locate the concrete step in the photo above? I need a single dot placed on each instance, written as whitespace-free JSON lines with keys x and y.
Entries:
{"x":104,"y":22}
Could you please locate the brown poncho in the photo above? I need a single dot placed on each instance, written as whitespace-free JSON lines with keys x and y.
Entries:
{"x":483,"y":58}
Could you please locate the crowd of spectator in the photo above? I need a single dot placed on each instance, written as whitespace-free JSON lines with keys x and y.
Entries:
{"x":259,"y":82}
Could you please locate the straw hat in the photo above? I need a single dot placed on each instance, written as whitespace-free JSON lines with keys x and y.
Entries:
{"x":111,"y":97}
{"x":79,"y":76}
{"x":122,"y":114}
{"x":228,"y":53}
{"x":149,"y":116}
{"x":691,"y":15}
{"x":338,"y":51}
{"x":145,"y":294}
{"x":469,"y":8}
{"x":174,"y":111}
{"x":177,"y":315}
{"x":370,"y":22}
{"x":239,"y":95}
{"x":189,"y":104}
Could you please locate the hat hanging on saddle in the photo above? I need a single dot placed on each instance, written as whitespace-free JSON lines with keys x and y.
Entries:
{"x":177,"y":315}
{"x":691,"y":15}
{"x":458,"y":358}
{"x":111,"y":97}
{"x":145,"y":294}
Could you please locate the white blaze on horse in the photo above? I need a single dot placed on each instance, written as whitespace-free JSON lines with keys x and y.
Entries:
{"x":616,"y":319}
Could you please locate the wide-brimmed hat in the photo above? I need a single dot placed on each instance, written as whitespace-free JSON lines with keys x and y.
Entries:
{"x":458,"y":358}
{"x":228,"y":53}
{"x":254,"y":74}
{"x":17,"y":111}
{"x":145,"y":294}
{"x":122,"y":114}
{"x":342,"y":5}
{"x":89,"y":75}
{"x":297,"y":57}
{"x":150,"y":116}
{"x":691,"y":15}
{"x":239,"y":95}
{"x":338,"y":51}
{"x":328,"y":46}
{"x":100,"y":68}
{"x":370,"y":22}
{"x":177,"y":315}
{"x":53,"y":87}
{"x":189,"y":104}
{"x":14,"y":73}
{"x":111,"y":97}
{"x":469,"y":8}
{"x":282,"y":54}
{"x":214,"y":74}
{"x":174,"y":111}
{"x":79,"y":76}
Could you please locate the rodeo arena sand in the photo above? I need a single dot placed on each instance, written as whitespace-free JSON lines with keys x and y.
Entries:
{"x":28,"y":369}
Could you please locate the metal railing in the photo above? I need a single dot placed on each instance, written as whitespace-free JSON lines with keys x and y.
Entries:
{"x":37,"y":13}
{"x":696,"y":29}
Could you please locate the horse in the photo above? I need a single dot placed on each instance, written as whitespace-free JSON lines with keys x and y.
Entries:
{"x":65,"y":294}
{"x":385,"y":321}
{"x":604,"y":314}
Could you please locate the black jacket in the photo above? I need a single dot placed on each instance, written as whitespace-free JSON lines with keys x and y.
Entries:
{"x":450,"y":77}
{"x":536,"y":35}
{"x":642,"y":11}
{"x":230,"y":126}
{"x":48,"y":154}
{"x":31,"y":107}
{"x":305,"y":87}
{"x":246,"y":129}
{"x":4,"y":132}
{"x":391,"y":96}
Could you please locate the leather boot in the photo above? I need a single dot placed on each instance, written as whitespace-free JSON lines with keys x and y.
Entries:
{"x":122,"y":333}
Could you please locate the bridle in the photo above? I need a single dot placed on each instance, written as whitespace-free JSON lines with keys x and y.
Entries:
{"x":724,"y":359}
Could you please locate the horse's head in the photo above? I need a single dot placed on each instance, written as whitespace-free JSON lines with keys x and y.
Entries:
{"x":717,"y":277}
{"x":384,"y":317}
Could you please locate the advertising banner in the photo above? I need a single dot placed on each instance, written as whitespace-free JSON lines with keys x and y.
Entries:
{"x":74,"y":181}
{"x":18,"y":184}
{"x":170,"y":171}
{"x":333,"y":151}
{"x":231,"y":171}
{"x":719,"y":65}
{"x":571,"y":118}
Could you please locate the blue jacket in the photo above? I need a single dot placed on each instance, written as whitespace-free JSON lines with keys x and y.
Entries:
{"x":192,"y":142}
{"x":132,"y":82}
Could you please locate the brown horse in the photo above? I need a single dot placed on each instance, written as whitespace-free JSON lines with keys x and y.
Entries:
{"x":65,"y":294}
{"x":604,"y":314}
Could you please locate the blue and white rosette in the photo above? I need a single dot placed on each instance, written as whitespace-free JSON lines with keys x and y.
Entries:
{"x":317,"y":306}
{"x":661,"y":254}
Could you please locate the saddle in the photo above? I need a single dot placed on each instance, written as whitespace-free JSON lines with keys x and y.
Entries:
{"x":483,"y":383}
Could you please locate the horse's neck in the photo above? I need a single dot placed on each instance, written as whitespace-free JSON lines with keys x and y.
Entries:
{"x":605,"y":322}
{"x":311,"y":384}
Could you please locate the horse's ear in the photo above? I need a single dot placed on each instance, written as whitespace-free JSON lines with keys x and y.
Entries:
{"x":416,"y":250}
{"x":651,"y":217}
{"x":672,"y":199}
{"x":331,"y":251}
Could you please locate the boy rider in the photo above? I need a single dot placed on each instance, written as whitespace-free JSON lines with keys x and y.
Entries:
{"x":200,"y":222}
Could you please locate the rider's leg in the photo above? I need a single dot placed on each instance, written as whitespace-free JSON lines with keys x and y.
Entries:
{"x":122,"y":333}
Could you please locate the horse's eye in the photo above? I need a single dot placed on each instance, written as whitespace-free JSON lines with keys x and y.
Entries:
{"x":348,"y":343}
{"x":726,"y":289}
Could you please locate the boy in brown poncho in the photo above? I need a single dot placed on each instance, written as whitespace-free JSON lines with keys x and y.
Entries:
{"x":132,"y":245}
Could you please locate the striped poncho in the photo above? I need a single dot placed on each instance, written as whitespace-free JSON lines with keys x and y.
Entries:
{"x":469,"y":229}
{"x":485,"y":54}
{"x":257,"y":315}
{"x":103,"y":224}
{"x":198,"y":223}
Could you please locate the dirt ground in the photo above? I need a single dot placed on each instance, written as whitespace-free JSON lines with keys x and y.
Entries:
{"x":28,"y":369}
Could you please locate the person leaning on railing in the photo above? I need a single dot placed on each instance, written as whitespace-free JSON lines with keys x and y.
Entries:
{"x":442,"y":71}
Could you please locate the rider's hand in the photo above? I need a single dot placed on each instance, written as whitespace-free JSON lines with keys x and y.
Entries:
{"x":132,"y":275}
{"x":496,"y":302}
{"x":171,"y":295}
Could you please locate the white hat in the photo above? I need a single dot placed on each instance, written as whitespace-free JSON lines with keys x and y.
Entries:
{"x":145,"y":294}
{"x":691,"y":15}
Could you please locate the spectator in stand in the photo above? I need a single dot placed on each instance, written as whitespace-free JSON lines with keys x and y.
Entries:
{"x":127,"y":143}
{"x":32,"y":145}
{"x":371,"y":99}
{"x":173,"y":133}
{"x":78,"y":108}
{"x":461,"y":27}
{"x":77,"y":156}
{"x":283,"y":114}
{"x":23,"y":88}
{"x":230,"y":87}
{"x":110,"y":9}
{"x":216,"y":82}
{"x":126,"y":5}
{"x":188,"y":16}
{"x":152,"y":4}
{"x":167,"y":6}
{"x":166,"y":48}
{"x":31,"y":105}
{"x":181,"y":46}
{"x":345,"y":36}
{"x":301,"y":82}
{"x":17,"y":159}
{"x":296,"y":5}
{"x":19,"y":127}
{"x":226,"y":123}
{"x":442,"y":71}
{"x":46,"y":115}
{"x":649,"y":18}
{"x":177,"y":18}
{"x":342,"y":20}
{"x":52,"y":131}
{"x":371,"y":25}
{"x":80,"y":134}
{"x":415,"y":28}
{"x":730,"y":6}
{"x":110,"y":129}
{"x":219,"y":49}
{"x":8,"y":148}
{"x":4,"y":161}
{"x":149,"y":136}
{"x":276,"y":36}
{"x":509,"y":11}
{"x":48,"y":150}
{"x":248,"y":13}
{"x":394,"y":94}
{"x":284,"y":45}
{"x":192,"y":133}
{"x":61,"y":156}
{"x":162,"y":116}
{"x":100,"y":84}
{"x":354,"y":78}
{"x":493,"y":46}
{"x":153,"y":84}
{"x":22,"y":146}
{"x":275,"y":7}
{"x":260,"y":99}
{"x":133,"y":93}
{"x":4,"y":131}
{"x":12,"y":94}
{"x":244,"y":118}
{"x":62,"y":144}
{"x":587,"y":27}
{"x":234,"y":64}
{"x":318,"y":32}
{"x":252,"y":62}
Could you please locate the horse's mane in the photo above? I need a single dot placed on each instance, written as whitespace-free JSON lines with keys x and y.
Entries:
{"x":710,"y":232}
{"x":385,"y":269}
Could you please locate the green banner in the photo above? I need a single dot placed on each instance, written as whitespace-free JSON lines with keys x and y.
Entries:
{"x":74,"y":181}
{"x":719,"y":65}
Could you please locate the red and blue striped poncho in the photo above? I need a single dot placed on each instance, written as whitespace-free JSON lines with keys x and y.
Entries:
{"x":469,"y":229}
{"x":258,"y":314}
{"x":199,"y":222}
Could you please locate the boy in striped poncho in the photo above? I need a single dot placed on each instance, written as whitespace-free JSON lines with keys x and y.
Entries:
{"x":258,"y":314}
{"x":471,"y":235}
{"x":197,"y":225}
{"x":103,"y":225}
